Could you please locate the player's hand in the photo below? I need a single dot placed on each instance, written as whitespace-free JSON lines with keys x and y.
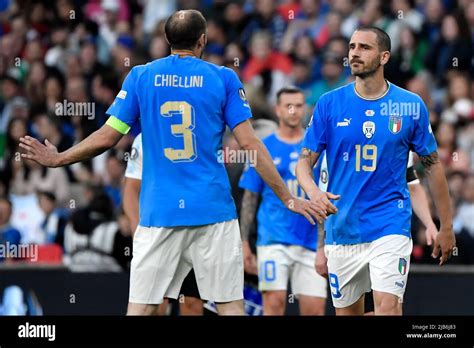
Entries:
{"x":321,"y":263}
{"x":431,"y":232}
{"x":46,"y":155}
{"x":323,"y":204}
{"x":444,"y":242}
{"x":306,"y":208}
{"x":250,"y":260}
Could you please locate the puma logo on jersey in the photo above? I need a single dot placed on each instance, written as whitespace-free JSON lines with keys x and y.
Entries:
{"x":345,"y":123}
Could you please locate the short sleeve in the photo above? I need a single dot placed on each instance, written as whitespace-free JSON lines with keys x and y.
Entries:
{"x":250,"y":180}
{"x":423,"y":141}
{"x":315,"y":138}
{"x":124,"y":111}
{"x":134,"y":163}
{"x":237,"y":108}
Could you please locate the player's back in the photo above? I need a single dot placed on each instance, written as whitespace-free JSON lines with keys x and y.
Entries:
{"x":183,"y":106}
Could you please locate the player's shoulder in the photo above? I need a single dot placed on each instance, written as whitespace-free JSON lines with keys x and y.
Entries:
{"x":270,"y":139}
{"x":337,"y":93}
{"x":400,"y":92}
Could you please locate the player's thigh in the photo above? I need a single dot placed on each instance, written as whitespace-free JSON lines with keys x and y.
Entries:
{"x":216,"y":254}
{"x":274,"y":266}
{"x":157,"y":255}
{"x":304,"y":278}
{"x":190,"y":302}
{"x":389,"y":268}
{"x":348,"y":268}
{"x":357,"y":308}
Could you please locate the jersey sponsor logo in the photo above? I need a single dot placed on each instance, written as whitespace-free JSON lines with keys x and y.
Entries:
{"x":368,"y":127}
{"x":402,"y":266}
{"x":345,"y":123}
{"x":369,"y":112}
{"x":122,"y":94}
{"x":294,"y":155}
{"x":395,"y":123}
{"x":276,"y":161}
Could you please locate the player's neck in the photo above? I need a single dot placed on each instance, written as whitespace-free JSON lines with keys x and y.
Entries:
{"x":371,"y":87}
{"x":290,"y":135}
{"x":184,"y":53}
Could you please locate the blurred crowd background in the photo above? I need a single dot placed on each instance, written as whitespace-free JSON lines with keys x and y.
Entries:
{"x":62,"y":64}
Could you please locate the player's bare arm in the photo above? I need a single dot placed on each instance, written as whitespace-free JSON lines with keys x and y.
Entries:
{"x":247,"y":139}
{"x":445,"y":241}
{"x":321,"y":263}
{"x":421,"y":208}
{"x":304,"y":174}
{"x":247,"y":216}
{"x":47,"y":155}
{"x":131,"y":197}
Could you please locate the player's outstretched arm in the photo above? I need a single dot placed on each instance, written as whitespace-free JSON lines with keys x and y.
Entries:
{"x":304,"y":174}
{"x":264,"y":166}
{"x":47,"y":155}
{"x":420,"y":205}
{"x":445,"y":240}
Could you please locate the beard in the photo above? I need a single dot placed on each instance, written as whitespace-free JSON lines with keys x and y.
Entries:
{"x":368,"y":71}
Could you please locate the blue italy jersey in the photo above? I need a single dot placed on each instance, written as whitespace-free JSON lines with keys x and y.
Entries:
{"x":277,"y":224}
{"x":183,"y":105}
{"x":367,"y":144}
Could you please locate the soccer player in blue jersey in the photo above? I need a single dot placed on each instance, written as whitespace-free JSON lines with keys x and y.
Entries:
{"x":187,"y":215}
{"x":368,"y":128}
{"x":286,"y":242}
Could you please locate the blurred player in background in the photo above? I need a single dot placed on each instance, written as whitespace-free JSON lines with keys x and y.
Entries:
{"x":189,"y":301}
{"x":367,"y":129}
{"x":286,"y":241}
{"x":187,"y":215}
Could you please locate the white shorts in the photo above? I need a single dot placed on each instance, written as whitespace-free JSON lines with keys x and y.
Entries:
{"x":279,"y":263}
{"x":381,"y":265}
{"x":163,"y":257}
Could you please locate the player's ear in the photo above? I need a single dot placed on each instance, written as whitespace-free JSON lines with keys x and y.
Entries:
{"x":385,"y":57}
{"x":203,"y":40}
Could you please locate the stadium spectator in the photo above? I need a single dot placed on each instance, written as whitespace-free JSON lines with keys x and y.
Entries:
{"x":453,"y":49}
{"x":55,"y":219}
{"x":266,"y":69}
{"x":8,"y":234}
{"x":94,"y":241}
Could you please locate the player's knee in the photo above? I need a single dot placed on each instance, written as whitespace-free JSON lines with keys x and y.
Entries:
{"x":274,"y":303}
{"x":388,"y":305}
{"x":315,"y":309}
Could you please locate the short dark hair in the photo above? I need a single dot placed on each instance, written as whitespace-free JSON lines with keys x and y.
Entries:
{"x":383,"y":40}
{"x":288,"y":90}
{"x":184,"y":28}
